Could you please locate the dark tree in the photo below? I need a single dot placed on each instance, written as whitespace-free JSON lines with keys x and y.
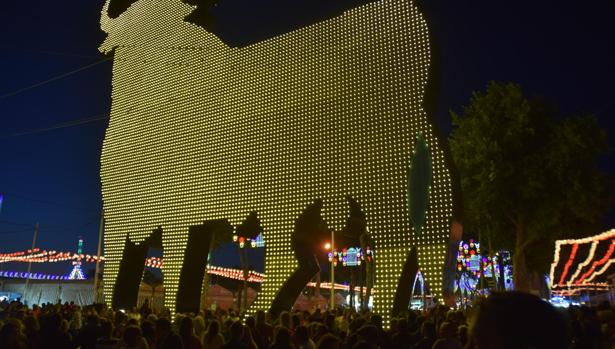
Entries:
{"x":527,"y":176}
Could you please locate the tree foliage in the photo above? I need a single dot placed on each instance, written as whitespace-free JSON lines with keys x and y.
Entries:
{"x":528,"y":177}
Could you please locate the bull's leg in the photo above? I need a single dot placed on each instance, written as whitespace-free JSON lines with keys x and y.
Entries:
{"x":287,"y":295}
{"x":403,"y":293}
{"x":279,"y":262}
{"x":283,"y":285}
{"x":200,"y":238}
{"x":130,"y":271}
{"x":174,"y":249}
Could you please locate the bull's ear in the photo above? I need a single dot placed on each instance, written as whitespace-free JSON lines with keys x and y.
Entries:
{"x":117,"y":7}
{"x":202,"y":15}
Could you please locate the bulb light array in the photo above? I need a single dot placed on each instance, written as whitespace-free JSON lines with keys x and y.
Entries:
{"x":586,"y":276}
{"x":33,"y":276}
{"x":200,"y":130}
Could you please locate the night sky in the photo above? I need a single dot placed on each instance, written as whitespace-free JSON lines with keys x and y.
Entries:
{"x":558,"y":50}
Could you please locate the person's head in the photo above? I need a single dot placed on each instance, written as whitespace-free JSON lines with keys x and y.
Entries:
{"x":282,"y":336}
{"x":147,"y":329}
{"x":261,"y":317}
{"x":247,"y":336}
{"x":447,"y":330}
{"x":199,"y":325}
{"x":285,"y":319}
{"x":132,"y":334}
{"x":515,"y":320}
{"x":428,"y":329}
{"x":64,"y":325}
{"x":402,"y":326}
{"x":31,"y":323}
{"x":186,"y":327}
{"x":368,"y":333}
{"x":92,"y":320}
{"x":9,"y":333}
{"x":328,"y":341}
{"x":295,"y":320}
{"x":376,"y":320}
{"x":301,"y":334}
{"x":250,"y":322}
{"x":394,"y":325}
{"x":213,"y":331}
{"x":236,"y":330}
{"x":462,"y":334}
{"x":163,"y":327}
{"x":106,"y":328}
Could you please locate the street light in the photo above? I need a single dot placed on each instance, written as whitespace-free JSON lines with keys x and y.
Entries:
{"x":332,"y":246}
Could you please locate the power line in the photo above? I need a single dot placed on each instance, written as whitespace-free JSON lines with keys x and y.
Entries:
{"x":48,"y":52}
{"x":47,"y":202}
{"x":55,"y":78}
{"x":16,"y":223}
{"x":66,"y":124}
{"x":15,"y":231}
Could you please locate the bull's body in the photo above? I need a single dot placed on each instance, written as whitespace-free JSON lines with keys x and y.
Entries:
{"x":202,"y":131}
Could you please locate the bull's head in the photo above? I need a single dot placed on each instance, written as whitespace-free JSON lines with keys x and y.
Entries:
{"x":241,"y":22}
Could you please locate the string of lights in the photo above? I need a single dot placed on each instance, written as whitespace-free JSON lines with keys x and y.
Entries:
{"x":598,"y":263}
{"x":32,"y":276}
{"x":591,"y":273}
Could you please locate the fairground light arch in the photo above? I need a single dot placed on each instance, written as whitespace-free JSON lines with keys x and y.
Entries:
{"x":203,"y":131}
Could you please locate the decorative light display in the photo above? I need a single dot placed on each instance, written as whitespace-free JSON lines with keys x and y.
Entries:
{"x":200,"y":130}
{"x":32,"y":276}
{"x":468,"y":257}
{"x":243,"y":241}
{"x":350,"y":257}
{"x":368,"y":255}
{"x":471,"y":266}
{"x":77,"y":273}
{"x":44,"y":256}
{"x":562,"y":281}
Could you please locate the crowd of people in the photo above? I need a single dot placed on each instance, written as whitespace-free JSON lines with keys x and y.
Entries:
{"x":504,"y":320}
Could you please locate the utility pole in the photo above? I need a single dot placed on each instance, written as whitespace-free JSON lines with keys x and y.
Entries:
{"x":332,"y":306}
{"x":30,"y":262}
{"x":98,"y":256}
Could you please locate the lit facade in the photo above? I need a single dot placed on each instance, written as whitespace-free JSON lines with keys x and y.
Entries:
{"x":201,"y":131}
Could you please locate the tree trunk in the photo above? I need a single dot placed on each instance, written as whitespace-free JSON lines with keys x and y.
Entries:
{"x":521,"y":277}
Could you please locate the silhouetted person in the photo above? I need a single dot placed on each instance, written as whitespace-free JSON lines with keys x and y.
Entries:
{"x":106,"y":340}
{"x":428,"y":331}
{"x":447,"y":337}
{"x":165,"y":337}
{"x":264,"y":330}
{"x":89,"y":333}
{"x":282,"y":339}
{"x":403,"y":338}
{"x":133,"y":339}
{"x":235,"y":336}
{"x":515,"y":320}
{"x":145,"y":309}
{"x":329,"y":341}
{"x":186,"y":332}
{"x":10,"y":338}
{"x":302,"y":338}
{"x":213,"y":339}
